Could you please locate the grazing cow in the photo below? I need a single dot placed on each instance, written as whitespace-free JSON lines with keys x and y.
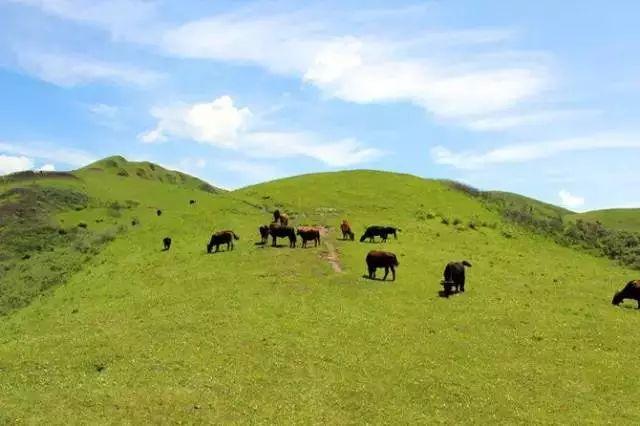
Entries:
{"x":309,"y":234}
{"x":192,"y":201}
{"x":222,"y":237}
{"x":158,"y":212}
{"x":454,"y":276}
{"x":166,"y":242}
{"x":282,"y":231}
{"x":381,"y":259}
{"x":630,"y":291}
{"x":264,"y":234}
{"x":281,"y":218}
{"x":382,"y":231}
{"x":347,"y":233}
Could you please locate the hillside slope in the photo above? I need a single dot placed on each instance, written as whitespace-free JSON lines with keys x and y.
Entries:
{"x":277,"y":335}
{"x":621,"y":219}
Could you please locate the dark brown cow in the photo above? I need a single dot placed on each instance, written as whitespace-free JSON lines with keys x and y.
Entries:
{"x":381,"y":259}
{"x":454,"y":276}
{"x":630,"y":291}
{"x":309,"y":234}
{"x":264,"y":234}
{"x":222,"y":237}
{"x":347,"y":233}
{"x":279,"y":231}
{"x":166,"y":242}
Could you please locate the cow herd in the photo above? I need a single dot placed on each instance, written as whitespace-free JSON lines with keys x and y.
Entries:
{"x":454,"y":272}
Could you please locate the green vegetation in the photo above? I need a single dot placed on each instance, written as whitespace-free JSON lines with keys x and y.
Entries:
{"x":277,"y":335}
{"x":619,"y":219}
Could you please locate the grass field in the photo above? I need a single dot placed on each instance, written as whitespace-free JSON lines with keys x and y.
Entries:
{"x":621,"y":219}
{"x":276,"y":335}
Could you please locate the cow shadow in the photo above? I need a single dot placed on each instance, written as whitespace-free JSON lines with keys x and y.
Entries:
{"x":446,"y":294}
{"x":367,"y":277}
{"x":260,"y":243}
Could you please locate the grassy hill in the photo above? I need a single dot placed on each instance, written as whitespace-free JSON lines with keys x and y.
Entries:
{"x":621,"y":219}
{"x":279,"y":335}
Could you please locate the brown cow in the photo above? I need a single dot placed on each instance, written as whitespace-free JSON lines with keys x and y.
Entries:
{"x":381,"y":259}
{"x":281,"y":218}
{"x":309,"y":234}
{"x":222,"y":237}
{"x":278,"y":231}
{"x":630,"y":291}
{"x":347,"y":233}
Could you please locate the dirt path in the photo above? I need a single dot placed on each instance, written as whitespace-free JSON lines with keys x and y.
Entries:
{"x":331,"y":255}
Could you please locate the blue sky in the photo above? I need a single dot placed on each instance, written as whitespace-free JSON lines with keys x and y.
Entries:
{"x":540,"y":98}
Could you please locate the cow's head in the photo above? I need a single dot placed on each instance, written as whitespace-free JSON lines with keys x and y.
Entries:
{"x":617,"y":298}
{"x":467,"y":264}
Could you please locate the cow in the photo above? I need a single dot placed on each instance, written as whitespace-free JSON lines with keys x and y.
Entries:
{"x":192,"y":202}
{"x":281,"y":218}
{"x":264,"y":234}
{"x":382,"y":231}
{"x":630,"y":291}
{"x":347,"y":233}
{"x":222,"y":237}
{"x":166,"y":242}
{"x":454,"y":276}
{"x":309,"y":234}
{"x":158,"y":212}
{"x":279,"y":231}
{"x":381,"y":259}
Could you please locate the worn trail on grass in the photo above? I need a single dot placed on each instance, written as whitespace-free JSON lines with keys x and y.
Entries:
{"x":332,"y":254}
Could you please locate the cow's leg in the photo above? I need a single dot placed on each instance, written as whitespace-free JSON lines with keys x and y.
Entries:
{"x":638,"y":303}
{"x":273,"y":242}
{"x":386,"y":272}
{"x":393,"y":273}
{"x":372,"y":273}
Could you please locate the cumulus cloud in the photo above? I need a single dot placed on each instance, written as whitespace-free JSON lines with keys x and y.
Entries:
{"x":569,"y":200}
{"x":517,"y":153}
{"x":220,"y":123}
{"x":11,"y":164}
{"x":70,"y":70}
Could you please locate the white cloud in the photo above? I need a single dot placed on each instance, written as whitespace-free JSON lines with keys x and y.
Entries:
{"x":46,"y":152}
{"x":47,"y":168}
{"x":569,"y":200}
{"x":69,"y":70}
{"x":124,"y":19}
{"x":104,"y":110}
{"x":365,"y":69}
{"x":216,"y":123}
{"x":524,"y":152}
{"x":220,"y":123}
{"x":501,"y":122}
{"x":11,"y":164}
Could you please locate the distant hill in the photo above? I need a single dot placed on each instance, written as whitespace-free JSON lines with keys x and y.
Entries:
{"x":622,"y":219}
{"x":144,"y":170}
{"x":99,"y":325}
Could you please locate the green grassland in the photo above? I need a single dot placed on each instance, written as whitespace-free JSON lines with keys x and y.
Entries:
{"x":259,"y":334}
{"x":621,"y":219}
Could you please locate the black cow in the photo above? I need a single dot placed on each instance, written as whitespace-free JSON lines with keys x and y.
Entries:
{"x":159,"y":212}
{"x":166,"y":242}
{"x":264,"y":234}
{"x":381,"y":231}
{"x":222,"y":237}
{"x":454,"y":276}
{"x":630,"y":291}
{"x":279,"y":231}
{"x":381,"y":259}
{"x":192,"y":201}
